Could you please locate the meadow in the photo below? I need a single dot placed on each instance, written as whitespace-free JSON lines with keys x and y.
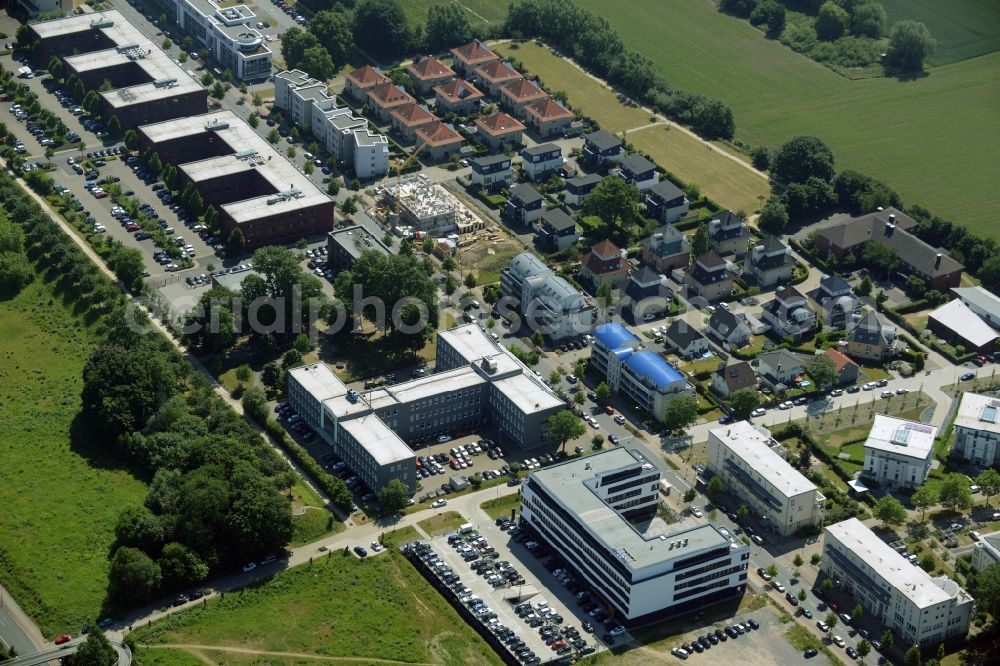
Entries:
{"x":60,"y":496}
{"x":479,"y":12}
{"x":962,"y":28}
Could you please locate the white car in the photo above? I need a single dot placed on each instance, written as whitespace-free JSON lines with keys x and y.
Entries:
{"x":785,"y":405}
{"x":760,"y":411}
{"x":617,"y":630}
{"x":838,"y":641}
{"x":695,"y":511}
{"x":437,"y":504}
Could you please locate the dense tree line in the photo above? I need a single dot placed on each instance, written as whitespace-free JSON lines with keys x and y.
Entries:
{"x":15,"y":269}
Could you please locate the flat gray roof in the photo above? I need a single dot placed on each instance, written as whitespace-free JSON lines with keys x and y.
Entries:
{"x":753,"y":447}
{"x":470,"y":341}
{"x":319,"y":381}
{"x":357,"y":240}
{"x":978,"y":412}
{"x":378,"y":439}
{"x":528,"y":393}
{"x":901,"y":437}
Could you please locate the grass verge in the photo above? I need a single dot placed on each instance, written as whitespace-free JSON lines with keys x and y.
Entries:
{"x":501,"y":506}
{"x":442,"y":523}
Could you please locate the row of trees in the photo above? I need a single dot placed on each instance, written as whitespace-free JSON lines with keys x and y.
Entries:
{"x":15,"y":270}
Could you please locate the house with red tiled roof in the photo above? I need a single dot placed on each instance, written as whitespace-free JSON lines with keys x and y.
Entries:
{"x":605,"y":264}
{"x":465,"y":58}
{"x":847,"y":370}
{"x":499,"y":129}
{"x":440,"y":140}
{"x":514,"y":96}
{"x":362,"y":80}
{"x":408,"y":119}
{"x":458,"y":96}
{"x":384,"y":98}
{"x":493,"y":75}
{"x":428,"y":72}
{"x":547,"y":117}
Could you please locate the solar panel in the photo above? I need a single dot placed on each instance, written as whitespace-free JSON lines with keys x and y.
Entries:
{"x":901,"y":436}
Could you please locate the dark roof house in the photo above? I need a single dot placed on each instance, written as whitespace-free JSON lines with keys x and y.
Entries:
{"x":732,"y":378}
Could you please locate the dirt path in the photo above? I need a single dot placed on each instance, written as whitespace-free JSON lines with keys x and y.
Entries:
{"x":198,"y":650}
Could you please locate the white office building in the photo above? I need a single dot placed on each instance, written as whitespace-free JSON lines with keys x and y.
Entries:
{"x":977,"y":433}
{"x":547,"y":302}
{"x":743,"y":456}
{"x":919,"y":609}
{"x":986,"y":551}
{"x":595,"y":512}
{"x":898,"y":452}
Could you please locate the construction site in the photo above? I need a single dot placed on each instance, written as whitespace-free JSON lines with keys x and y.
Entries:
{"x":426,"y":207}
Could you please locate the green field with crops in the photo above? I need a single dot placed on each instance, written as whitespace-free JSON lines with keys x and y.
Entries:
{"x":479,"y":12}
{"x":962,"y":28}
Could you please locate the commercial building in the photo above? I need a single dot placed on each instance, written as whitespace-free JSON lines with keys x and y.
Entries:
{"x":252,"y":186}
{"x":35,"y":8}
{"x":428,"y":207}
{"x":957,"y":323}
{"x":984,"y":303}
{"x":898,"y":452}
{"x":587,"y":509}
{"x":743,"y":456}
{"x":546,"y":302}
{"x":986,"y":552}
{"x":919,"y":609}
{"x":475,"y":382}
{"x":977,"y":432}
{"x":147,"y":85}
{"x":346,"y":244}
{"x":641,"y":375}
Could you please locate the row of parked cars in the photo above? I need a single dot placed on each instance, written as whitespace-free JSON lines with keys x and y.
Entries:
{"x":706,"y":641}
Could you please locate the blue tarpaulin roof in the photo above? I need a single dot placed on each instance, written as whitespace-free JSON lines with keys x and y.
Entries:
{"x":615,"y":335}
{"x":653,"y":366}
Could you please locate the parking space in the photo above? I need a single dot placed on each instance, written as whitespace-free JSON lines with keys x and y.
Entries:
{"x":756,"y":640}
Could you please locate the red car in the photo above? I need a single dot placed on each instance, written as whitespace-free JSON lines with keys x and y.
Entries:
{"x":132,"y":227}
{"x":608,"y":409}
{"x":63,"y":638}
{"x":101,"y":195}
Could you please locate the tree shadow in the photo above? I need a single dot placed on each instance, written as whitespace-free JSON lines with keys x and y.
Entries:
{"x":907,"y":77}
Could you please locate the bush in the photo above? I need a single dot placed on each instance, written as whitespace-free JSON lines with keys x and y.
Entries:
{"x":334,"y":487}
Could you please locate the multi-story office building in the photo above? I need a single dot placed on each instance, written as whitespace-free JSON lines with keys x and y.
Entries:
{"x":587,"y":510}
{"x":476,"y":382}
{"x":977,"y":432}
{"x":252,"y":186}
{"x":898,"y":452}
{"x":743,"y":456}
{"x":921,"y":610}
{"x":546,"y":301}
{"x":986,"y":552}
{"x":641,"y":375}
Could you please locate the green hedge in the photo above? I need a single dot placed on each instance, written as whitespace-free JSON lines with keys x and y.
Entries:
{"x":333,"y":486}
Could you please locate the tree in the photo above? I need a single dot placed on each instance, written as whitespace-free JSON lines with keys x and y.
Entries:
{"x":218,"y":90}
{"x":877,"y":254}
{"x":913,"y":656}
{"x":864,"y":648}
{"x":689,"y":495}
{"x":555,"y":377}
{"x":447,"y":25}
{"x":270,"y":375}
{"x":123,"y":387}
{"x":253,"y":120}
{"x":868,"y":20}
{"x":237,"y":242}
{"x":380,"y":28}
{"x":597,"y":441}
{"x":137,"y":527}
{"x":450,"y":285}
{"x":989,"y":273}
{"x":95,"y":651}
{"x":603,"y":392}
{"x":831,"y":21}
{"x":333,"y":188}
{"x":823,"y":371}
{"x":470,"y":279}
{"x":133,"y":577}
{"x":857,"y":612}
{"x":910,"y":42}
{"x":831,"y":620}
{"x":317,"y":61}
{"x":181,"y":566}
{"x":16,"y":273}
{"x":889,"y":510}
{"x":244,"y":374}
{"x":255,"y":404}
{"x":987,"y":589}
{"x":773,"y":216}
{"x":699,"y":240}
{"x":127,"y":263}
{"x":743,"y":402}
{"x":887,"y":639}
{"x":826,"y":586}
{"x":616,"y":203}
{"x":715,"y":486}
{"x":743,"y":512}
{"x":989,"y":483}
{"x":680,"y":413}
{"x":294,"y":43}
{"x":394,"y":496}
{"x":802,"y":594}
{"x":55,"y":68}
{"x":798,"y":561}
{"x":348,"y":207}
{"x":805,"y":457}
{"x":865,"y":288}
{"x":924,"y":498}
{"x":954,"y":493}
{"x":562,"y":427}
{"x":273,"y":136}
{"x":801,"y":158}
{"x":772,"y":569}
{"x":770,"y":16}
{"x":713,"y":119}
{"x":333,"y":30}
{"x":114,"y":127}
{"x":291,"y":358}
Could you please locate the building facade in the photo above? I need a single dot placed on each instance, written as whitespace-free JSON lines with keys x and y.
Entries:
{"x":666,"y":202}
{"x":540,"y":162}
{"x":977,"y":432}
{"x":545,"y":301}
{"x":898,"y":452}
{"x":769,"y":262}
{"x":492,"y":172}
{"x":524,"y":204}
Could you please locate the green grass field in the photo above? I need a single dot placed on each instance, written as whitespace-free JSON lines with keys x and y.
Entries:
{"x":448,"y":521}
{"x":962,"y":28}
{"x":479,"y":12}
{"x":379,"y":608}
{"x":60,"y":497}
{"x":501,"y":506}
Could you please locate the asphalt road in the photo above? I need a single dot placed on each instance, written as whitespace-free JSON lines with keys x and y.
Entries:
{"x":15,"y":625}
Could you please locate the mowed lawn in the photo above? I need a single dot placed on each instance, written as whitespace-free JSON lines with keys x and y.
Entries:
{"x":339,"y":606}
{"x":934,"y":139}
{"x":962,"y":28}
{"x":479,"y":12}
{"x":60,"y":502}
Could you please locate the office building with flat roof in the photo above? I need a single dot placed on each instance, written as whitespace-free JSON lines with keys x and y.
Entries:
{"x":254,"y":188}
{"x":921,"y":610}
{"x":986,"y":551}
{"x":743,"y":456}
{"x":598,"y":513}
{"x":898,"y":452}
{"x":977,"y":431}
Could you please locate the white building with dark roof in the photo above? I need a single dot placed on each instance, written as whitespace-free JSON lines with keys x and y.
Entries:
{"x":898,"y":452}
{"x":545,"y":301}
{"x":977,"y":430}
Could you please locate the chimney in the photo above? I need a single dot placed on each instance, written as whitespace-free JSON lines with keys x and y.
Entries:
{"x":937,"y":260}
{"x":892,"y":218}
{"x":889,"y":226}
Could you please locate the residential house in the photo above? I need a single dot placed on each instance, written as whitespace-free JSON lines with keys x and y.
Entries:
{"x":428,"y":72}
{"x":685,"y":339}
{"x":578,"y":188}
{"x":710,"y":278}
{"x":605,"y":264}
{"x":457,"y":96}
{"x":406,"y":120}
{"x":731,"y":330}
{"x":666,"y":249}
{"x":498,"y":130}
{"x":602,"y":148}
{"x":727,"y":234}
{"x":547,"y":117}
{"x":895,"y":229}
{"x":957,"y":323}
{"x":524,"y":204}
{"x":557,"y":230}
{"x":870,"y":338}
{"x":837,"y":300}
{"x":647,"y":295}
{"x":466,"y":58}
{"x":898,"y":453}
{"x":729,"y":379}
{"x":789,"y":314}
{"x":638,"y":171}
{"x":514,"y":96}
{"x":780,"y":370}
{"x":847,"y":370}
{"x":493,"y":75}
{"x":383,"y":98}
{"x":769,"y":263}
{"x":492,"y":172}
{"x":546,"y":301}
{"x":362,"y":80}
{"x":441,"y":141}
{"x":666,"y":202}
{"x":977,"y":430}
{"x":539,"y":162}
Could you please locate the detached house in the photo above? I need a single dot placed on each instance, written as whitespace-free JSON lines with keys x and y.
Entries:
{"x":685,"y":339}
{"x":647,"y":295}
{"x":847,"y":370}
{"x":602,"y":148}
{"x":492,"y":172}
{"x":869,"y":338}
{"x":458,"y":96}
{"x":666,"y":202}
{"x":727,"y":234}
{"x":666,"y":249}
{"x":837,"y":300}
{"x":498,"y":130}
{"x":769,"y":263}
{"x":382,"y":99}
{"x":557,"y":230}
{"x":466,"y":58}
{"x":789,"y":314}
{"x":524,"y":204}
{"x":548,"y":117}
{"x":362,"y":80}
{"x":406,"y":120}
{"x":637,"y":170}
{"x":732,"y":378}
{"x":493,"y":75}
{"x":710,"y":278}
{"x":428,"y":72}
{"x":578,"y":188}
{"x":539,"y":162}
{"x":730,"y":330}
{"x":605,"y":264}
{"x":514,"y":96}
{"x":780,"y":369}
{"x":441,"y":141}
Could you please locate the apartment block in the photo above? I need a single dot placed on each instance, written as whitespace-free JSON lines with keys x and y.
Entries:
{"x":545,"y":301}
{"x":898,"y":452}
{"x":977,"y":433}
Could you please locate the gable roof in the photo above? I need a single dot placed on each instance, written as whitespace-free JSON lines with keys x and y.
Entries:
{"x":558,"y":220}
{"x":636,"y":164}
{"x":438,"y":134}
{"x":839,"y":359}
{"x":473,"y":52}
{"x":498,"y":70}
{"x":682,"y":334}
{"x":725,"y":322}
{"x":429,"y":67}
{"x":666,"y":190}
{"x":602,"y":140}
{"x":547,"y":109}
{"x":522,"y":89}
{"x":457,"y":90}
{"x":386,"y":94}
{"x":780,"y":357}
{"x":366,"y":76}
{"x":738,"y":376}
{"x":499,"y":123}
{"x":412,"y":114}
{"x":525,"y":193}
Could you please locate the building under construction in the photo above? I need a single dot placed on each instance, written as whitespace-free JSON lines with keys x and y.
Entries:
{"x":415,"y":201}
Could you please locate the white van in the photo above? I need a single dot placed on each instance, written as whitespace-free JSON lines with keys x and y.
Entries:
{"x":466,"y":528}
